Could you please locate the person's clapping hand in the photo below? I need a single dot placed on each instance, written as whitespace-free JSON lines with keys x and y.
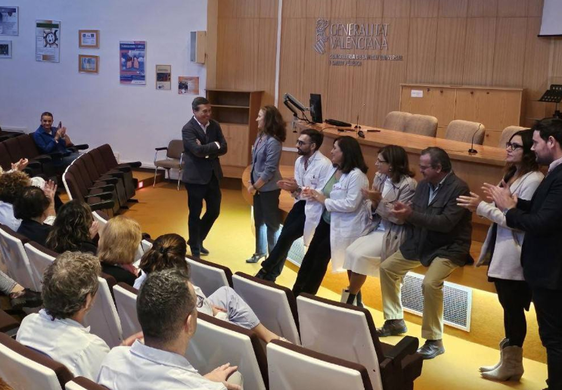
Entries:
{"x":401,"y":210}
{"x":469,"y":202}
{"x":374,"y":196}
{"x":221,"y":374}
{"x":131,"y":339}
{"x":20,"y":165}
{"x":94,"y":229}
{"x":314,"y":195}
{"x":501,"y":196}
{"x":288,"y":184}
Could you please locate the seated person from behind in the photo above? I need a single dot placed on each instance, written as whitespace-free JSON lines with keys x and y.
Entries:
{"x":167,"y":313}
{"x":50,"y":139}
{"x":11,"y":188}
{"x":34,"y":207}
{"x":168,"y":251}
{"x":118,"y":245}
{"x":70,"y":284}
{"x":74,"y":229}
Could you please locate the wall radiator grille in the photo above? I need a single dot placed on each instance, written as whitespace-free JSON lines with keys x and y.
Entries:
{"x":457,"y":301}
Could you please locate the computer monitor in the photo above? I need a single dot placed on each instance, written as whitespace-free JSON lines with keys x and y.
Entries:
{"x":316,"y":107}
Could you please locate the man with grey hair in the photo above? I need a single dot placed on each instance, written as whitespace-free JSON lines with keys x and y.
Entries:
{"x":167,"y":313}
{"x":70,"y":284}
{"x":438,"y":236}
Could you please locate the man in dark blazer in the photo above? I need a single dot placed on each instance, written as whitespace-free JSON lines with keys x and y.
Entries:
{"x":438,"y":235}
{"x":541,"y":254}
{"x":203,"y":143}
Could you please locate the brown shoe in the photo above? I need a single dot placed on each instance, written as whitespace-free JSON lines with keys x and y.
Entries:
{"x":392,"y":328}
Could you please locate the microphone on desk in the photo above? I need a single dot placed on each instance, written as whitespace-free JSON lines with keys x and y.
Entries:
{"x":472,"y":150}
{"x":357,"y":126}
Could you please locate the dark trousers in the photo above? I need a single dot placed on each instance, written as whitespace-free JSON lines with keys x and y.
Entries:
{"x":548,"y":305}
{"x":199,"y":227}
{"x":515,"y":298}
{"x":266,"y":217}
{"x":315,"y":262}
{"x":293,"y":228}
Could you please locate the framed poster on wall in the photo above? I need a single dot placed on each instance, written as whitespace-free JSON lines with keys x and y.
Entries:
{"x":47,"y":41}
{"x":88,"y":64}
{"x":89,"y":39}
{"x":164,"y":77}
{"x":132,"y":55}
{"x":9,"y":20}
{"x":5,"y":49}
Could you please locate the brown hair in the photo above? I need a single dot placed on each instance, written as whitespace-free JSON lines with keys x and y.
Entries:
{"x":168,"y":251}
{"x":12,"y":185}
{"x":71,"y":227}
{"x":397,"y":158}
{"x":119,"y":240}
{"x":274,"y":124}
{"x":528,"y":160}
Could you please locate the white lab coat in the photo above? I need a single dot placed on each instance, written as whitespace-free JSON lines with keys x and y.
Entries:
{"x":319,"y":170}
{"x":350,"y":214}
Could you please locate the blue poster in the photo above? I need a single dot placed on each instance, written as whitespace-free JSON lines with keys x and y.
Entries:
{"x":132,"y":62}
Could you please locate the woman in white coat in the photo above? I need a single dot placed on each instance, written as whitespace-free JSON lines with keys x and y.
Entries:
{"x":345,"y":217}
{"x":502,"y":251}
{"x":393,"y":183}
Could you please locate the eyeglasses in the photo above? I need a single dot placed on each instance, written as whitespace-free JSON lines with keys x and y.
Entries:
{"x":513,"y":146}
{"x":302,"y":143}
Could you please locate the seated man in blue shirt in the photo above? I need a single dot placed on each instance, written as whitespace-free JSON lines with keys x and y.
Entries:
{"x":49,"y":140}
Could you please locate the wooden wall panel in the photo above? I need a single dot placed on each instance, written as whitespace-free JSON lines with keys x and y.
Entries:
{"x":449,"y":54}
{"x":482,"y":8}
{"x":397,"y":8}
{"x":265,"y":69}
{"x":421,"y":50}
{"x":479,"y":53}
{"x":247,"y":8}
{"x":425,"y":9}
{"x":534,"y":8}
{"x":294,"y":8}
{"x":509,"y":52}
{"x":453,"y":9}
{"x":537,"y":55}
{"x":292,"y":61}
{"x":512,"y":8}
{"x":369,"y":8}
{"x":268,"y":8}
{"x":317,"y":8}
{"x":343,"y":8}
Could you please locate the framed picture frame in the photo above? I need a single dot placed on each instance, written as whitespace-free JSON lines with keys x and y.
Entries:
{"x":5,"y":49}
{"x":89,"y":39}
{"x":88,"y":63}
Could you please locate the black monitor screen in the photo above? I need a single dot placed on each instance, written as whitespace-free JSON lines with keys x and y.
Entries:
{"x":316,"y":107}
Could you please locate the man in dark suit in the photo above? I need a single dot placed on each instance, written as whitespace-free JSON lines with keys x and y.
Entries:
{"x":541,"y":254}
{"x":438,"y":237}
{"x":203,"y":143}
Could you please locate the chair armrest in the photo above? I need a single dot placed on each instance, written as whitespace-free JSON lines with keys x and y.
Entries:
{"x":79,"y":147}
{"x":56,"y":155}
{"x":109,"y":180}
{"x":115,"y":173}
{"x":123,"y":168}
{"x":162,"y":148}
{"x":102,"y":195}
{"x":34,"y":164}
{"x":43,"y":158}
{"x":133,"y":164}
{"x":407,"y":346}
{"x":107,"y":204}
{"x":105,"y":188}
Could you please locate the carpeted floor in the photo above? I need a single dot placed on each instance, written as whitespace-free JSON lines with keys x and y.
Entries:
{"x":164,"y":210}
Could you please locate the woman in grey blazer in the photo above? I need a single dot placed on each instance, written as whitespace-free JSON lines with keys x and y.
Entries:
{"x":502,"y":252}
{"x":266,"y":153}
{"x":393,"y":182}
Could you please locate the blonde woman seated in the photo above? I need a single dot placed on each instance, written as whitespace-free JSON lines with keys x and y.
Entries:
{"x":168,"y":251}
{"x":117,"y":247}
{"x":393,"y":182}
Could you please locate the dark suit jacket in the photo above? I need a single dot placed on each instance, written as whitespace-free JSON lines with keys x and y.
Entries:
{"x":440,"y":229}
{"x":541,"y":220}
{"x":200,"y":161}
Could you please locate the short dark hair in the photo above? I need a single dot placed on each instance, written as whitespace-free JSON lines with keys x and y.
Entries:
{"x":397,"y":158}
{"x":67,"y":282}
{"x":316,"y":137}
{"x":32,"y":203}
{"x":549,"y":127}
{"x":352,"y":154}
{"x":198,"y":101}
{"x":163,"y":304}
{"x":438,"y":157}
{"x":46,"y":113}
{"x":274,"y":124}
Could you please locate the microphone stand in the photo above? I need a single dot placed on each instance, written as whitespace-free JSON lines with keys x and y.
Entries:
{"x":472,"y":150}
{"x":357,"y":125}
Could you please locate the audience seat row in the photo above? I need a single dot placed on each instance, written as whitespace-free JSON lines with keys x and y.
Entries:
{"x":99,"y":180}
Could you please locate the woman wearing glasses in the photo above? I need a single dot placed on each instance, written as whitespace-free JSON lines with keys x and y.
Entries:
{"x":393,"y":182}
{"x":502,"y":252}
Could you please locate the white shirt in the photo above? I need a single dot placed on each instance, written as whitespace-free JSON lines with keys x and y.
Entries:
{"x":7,"y":216}
{"x":315,"y":175}
{"x":141,"y":367}
{"x":554,"y":164}
{"x":66,"y":341}
{"x":204,"y":127}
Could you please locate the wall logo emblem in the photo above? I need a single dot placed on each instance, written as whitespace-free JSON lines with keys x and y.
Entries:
{"x":321,"y":38}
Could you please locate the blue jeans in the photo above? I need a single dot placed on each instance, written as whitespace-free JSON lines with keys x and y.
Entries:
{"x":267,"y":220}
